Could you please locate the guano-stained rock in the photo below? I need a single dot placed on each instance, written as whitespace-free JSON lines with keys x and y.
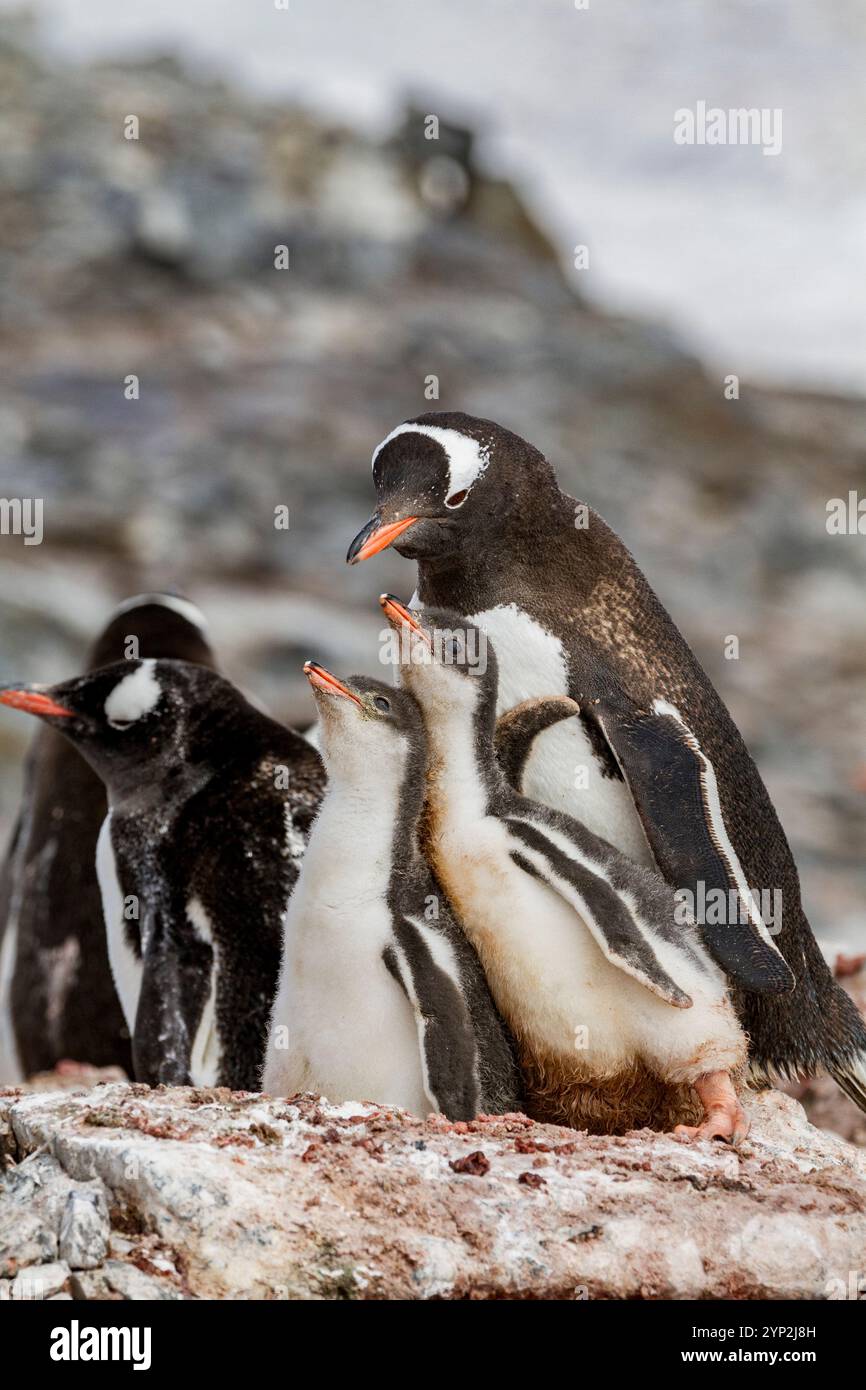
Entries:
{"x":215,"y":1194}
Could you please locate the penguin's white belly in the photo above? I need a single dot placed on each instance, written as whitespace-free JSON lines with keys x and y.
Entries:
{"x":562,"y":770}
{"x":126,"y":967}
{"x":556,"y":988}
{"x":349,"y":1030}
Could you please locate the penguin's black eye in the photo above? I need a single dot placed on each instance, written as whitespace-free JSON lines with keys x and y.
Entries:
{"x":457,"y":498}
{"x":382,"y":704}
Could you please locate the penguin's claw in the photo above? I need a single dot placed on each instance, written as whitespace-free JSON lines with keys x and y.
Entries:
{"x":724,"y":1116}
{"x":733,"y":1129}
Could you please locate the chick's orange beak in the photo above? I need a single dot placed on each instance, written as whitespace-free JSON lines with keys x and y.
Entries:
{"x":323,"y":680}
{"x":399,"y":615}
{"x":33,"y":702}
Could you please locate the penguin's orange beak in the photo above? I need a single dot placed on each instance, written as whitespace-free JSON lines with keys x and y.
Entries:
{"x":375,"y":537}
{"x":34,"y":702}
{"x":399,"y":615}
{"x":320,"y":679}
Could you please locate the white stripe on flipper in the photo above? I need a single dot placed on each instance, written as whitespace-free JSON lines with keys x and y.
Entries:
{"x":685,"y":945}
{"x":182,"y":606}
{"x":409,"y":984}
{"x":125,"y":965}
{"x":445,"y":957}
{"x":576,"y":900}
{"x":718,"y":829}
{"x":467,"y":459}
{"x":206,"y":1054}
{"x":440,"y":949}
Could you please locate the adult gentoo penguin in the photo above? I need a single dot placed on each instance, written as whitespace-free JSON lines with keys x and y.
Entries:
{"x":670,"y":778}
{"x":381,"y":996}
{"x":210,"y":805}
{"x":620,"y":1015}
{"x":57,"y":996}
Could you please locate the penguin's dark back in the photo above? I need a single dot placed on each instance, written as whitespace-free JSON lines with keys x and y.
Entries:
{"x":237,"y":849}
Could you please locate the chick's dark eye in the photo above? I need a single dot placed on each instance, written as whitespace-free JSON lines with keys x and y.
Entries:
{"x":382,"y":704}
{"x":457,"y":498}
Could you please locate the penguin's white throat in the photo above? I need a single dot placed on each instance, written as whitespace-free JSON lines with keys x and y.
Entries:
{"x":367,"y":767}
{"x":453,"y":717}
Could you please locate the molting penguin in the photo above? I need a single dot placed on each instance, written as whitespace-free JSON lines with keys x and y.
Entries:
{"x":381,"y":997}
{"x":670,"y":779}
{"x":57,"y":995}
{"x":210,"y":806}
{"x":617,"y":1009}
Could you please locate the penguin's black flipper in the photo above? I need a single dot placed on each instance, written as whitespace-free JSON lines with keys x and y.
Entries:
{"x":449,"y":1052}
{"x":517,"y":730}
{"x":175,"y":976}
{"x":614,"y":923}
{"x":674,"y":788}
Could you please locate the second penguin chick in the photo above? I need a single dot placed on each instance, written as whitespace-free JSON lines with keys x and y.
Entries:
{"x":618,"y":1010}
{"x":381,"y":996}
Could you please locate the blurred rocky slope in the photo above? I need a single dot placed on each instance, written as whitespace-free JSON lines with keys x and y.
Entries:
{"x":262,"y":387}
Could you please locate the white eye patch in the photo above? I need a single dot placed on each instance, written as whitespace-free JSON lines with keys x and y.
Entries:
{"x":467,"y":459}
{"x":133,"y":696}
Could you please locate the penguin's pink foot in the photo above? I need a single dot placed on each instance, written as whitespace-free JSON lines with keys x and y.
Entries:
{"x":724,"y":1117}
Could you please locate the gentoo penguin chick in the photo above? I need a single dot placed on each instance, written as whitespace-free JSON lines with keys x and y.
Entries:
{"x":210,"y":806}
{"x":618,"y":1011}
{"x":381,"y":997}
{"x":57,"y":995}
{"x":669,"y":781}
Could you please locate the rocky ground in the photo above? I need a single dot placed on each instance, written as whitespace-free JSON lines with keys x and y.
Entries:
{"x":120,"y":1192}
{"x":111,"y":1190}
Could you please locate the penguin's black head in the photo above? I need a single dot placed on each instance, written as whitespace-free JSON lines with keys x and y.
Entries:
{"x":138,"y":723}
{"x":447,"y":663}
{"x":163,"y":625}
{"x":445,"y":480}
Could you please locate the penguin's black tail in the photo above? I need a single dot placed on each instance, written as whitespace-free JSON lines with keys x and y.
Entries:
{"x":844,"y":1043}
{"x":851,"y":1076}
